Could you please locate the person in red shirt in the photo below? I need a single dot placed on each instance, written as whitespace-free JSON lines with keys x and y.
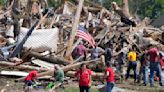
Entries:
{"x":161,"y":59}
{"x":109,"y":77}
{"x":80,"y":52}
{"x":84,"y":78}
{"x":30,"y":79}
{"x":153,"y":57}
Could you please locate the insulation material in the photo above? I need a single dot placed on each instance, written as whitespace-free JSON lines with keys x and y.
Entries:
{"x":41,"y":39}
{"x":9,"y":31}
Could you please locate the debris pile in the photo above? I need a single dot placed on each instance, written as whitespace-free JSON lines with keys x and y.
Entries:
{"x":35,"y":37}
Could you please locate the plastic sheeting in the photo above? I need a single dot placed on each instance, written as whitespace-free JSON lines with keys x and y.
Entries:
{"x":42,"y":38}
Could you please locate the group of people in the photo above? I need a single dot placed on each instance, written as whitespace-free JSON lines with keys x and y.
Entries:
{"x":30,"y":80}
{"x":84,"y":76}
{"x":152,"y":59}
{"x":80,"y":52}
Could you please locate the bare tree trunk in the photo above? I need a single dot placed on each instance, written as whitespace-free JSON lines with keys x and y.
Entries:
{"x":126,"y":7}
{"x":124,"y":13}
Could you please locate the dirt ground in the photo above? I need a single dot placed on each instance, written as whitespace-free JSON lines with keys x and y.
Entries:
{"x":7,"y":84}
{"x":138,"y":87}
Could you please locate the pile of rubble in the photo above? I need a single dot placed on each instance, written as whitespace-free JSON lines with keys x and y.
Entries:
{"x":34,"y":36}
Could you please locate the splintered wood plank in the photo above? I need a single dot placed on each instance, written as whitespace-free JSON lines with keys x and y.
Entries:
{"x":43,"y":64}
{"x":14,"y":73}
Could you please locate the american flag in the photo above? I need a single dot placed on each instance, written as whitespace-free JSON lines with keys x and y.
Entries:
{"x":82,"y":33}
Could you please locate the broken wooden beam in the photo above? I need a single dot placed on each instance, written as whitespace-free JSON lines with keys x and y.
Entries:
{"x":95,"y":76}
{"x":51,"y":59}
{"x":93,"y":4}
{"x":92,"y":9}
{"x":149,"y":40}
{"x":43,"y":64}
{"x":22,"y":67}
{"x":14,"y":73}
{"x":67,"y":68}
{"x":74,"y":29}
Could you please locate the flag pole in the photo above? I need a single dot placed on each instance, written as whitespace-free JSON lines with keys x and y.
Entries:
{"x":74,"y":29}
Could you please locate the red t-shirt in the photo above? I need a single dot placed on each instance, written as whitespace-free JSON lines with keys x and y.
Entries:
{"x":84,"y":77}
{"x":31,"y":75}
{"x":81,"y":50}
{"x":110,"y":78}
{"x":152,"y":54}
{"x":161,"y":63}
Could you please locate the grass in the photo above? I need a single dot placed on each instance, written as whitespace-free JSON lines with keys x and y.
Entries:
{"x":75,"y":89}
{"x":66,"y":89}
{"x":130,"y":85}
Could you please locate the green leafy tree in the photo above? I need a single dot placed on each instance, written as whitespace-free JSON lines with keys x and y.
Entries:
{"x":2,"y":2}
{"x":55,"y":3}
{"x":143,"y":8}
